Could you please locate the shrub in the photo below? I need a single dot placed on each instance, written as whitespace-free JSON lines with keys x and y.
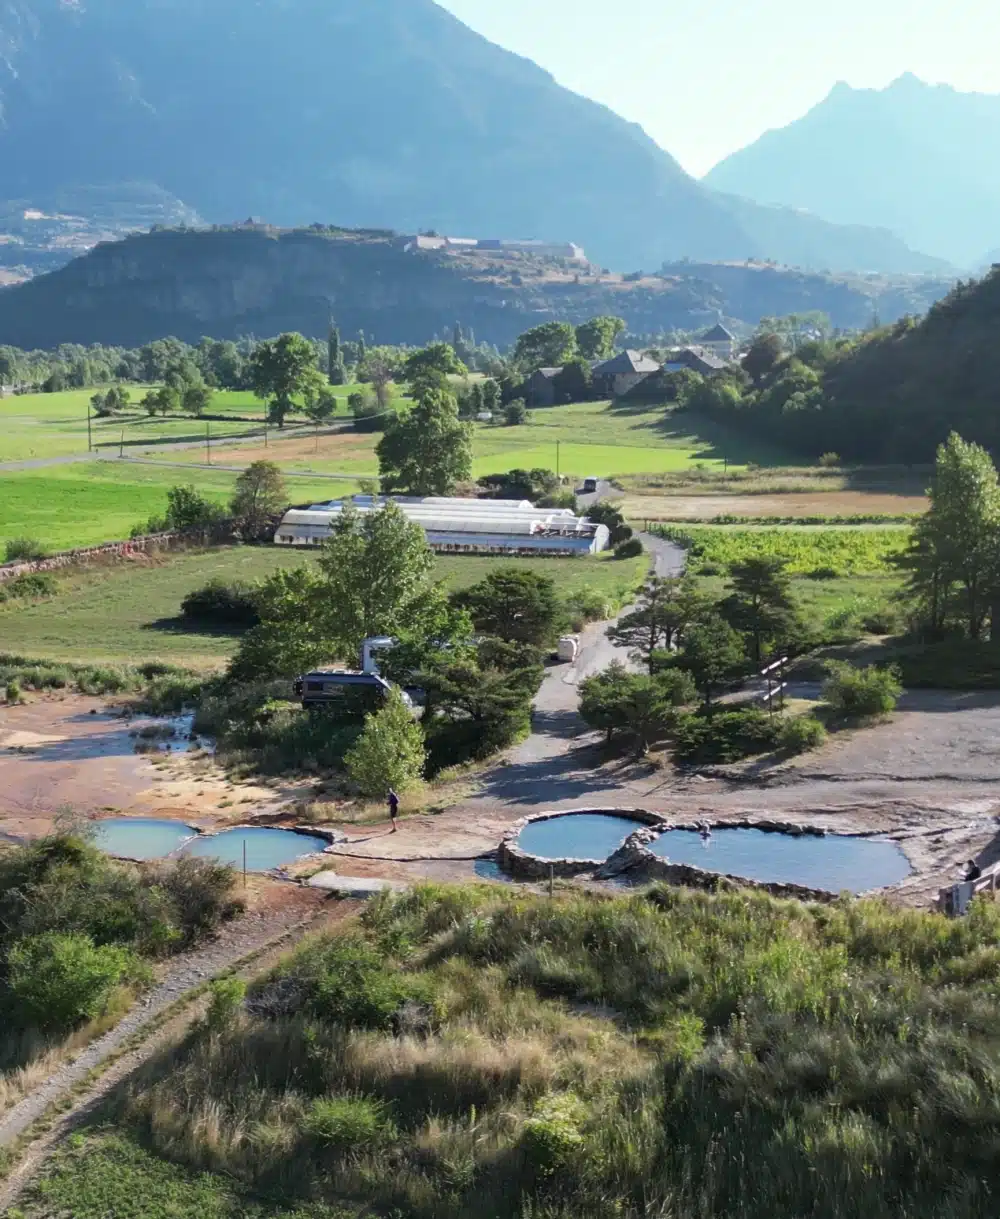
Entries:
{"x":862,"y":694}
{"x":346,"y":983}
{"x":227,"y":995}
{"x":23,"y":550}
{"x":515,"y":413}
{"x":348,"y":1123}
{"x":221,"y":604}
{"x":389,"y":752}
{"x":829,"y":461}
{"x":801,"y":734}
{"x":724,"y":736}
{"x":13,"y":693}
{"x":58,"y":980}
{"x":551,"y":1137}
{"x":200,"y":892}
{"x":24,"y":588}
{"x":629,"y":550}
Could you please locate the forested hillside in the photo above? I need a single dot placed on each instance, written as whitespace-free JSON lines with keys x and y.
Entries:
{"x":364,"y":112}
{"x":891,"y":396}
{"x":234,"y":282}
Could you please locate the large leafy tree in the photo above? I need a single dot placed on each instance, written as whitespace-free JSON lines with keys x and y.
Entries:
{"x":956,"y":548}
{"x":390,"y":751}
{"x":760,"y":603}
{"x":283,"y":370}
{"x":429,"y":449}
{"x":260,"y":496}
{"x":431,"y":367}
{"x":547,"y":346}
{"x":518,"y":606}
{"x":373,"y":578}
{"x":766,"y":352}
{"x":595,"y":339}
{"x":713,"y":654}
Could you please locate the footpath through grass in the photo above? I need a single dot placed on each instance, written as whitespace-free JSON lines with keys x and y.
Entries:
{"x":130,"y":611}
{"x":476,"y":1053}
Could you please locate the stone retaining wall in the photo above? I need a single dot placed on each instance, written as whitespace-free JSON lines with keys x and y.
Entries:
{"x":147,"y":544}
{"x":517,"y":862}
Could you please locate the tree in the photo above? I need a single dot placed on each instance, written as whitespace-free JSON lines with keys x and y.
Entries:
{"x":380,"y":367}
{"x":320,"y":405}
{"x":573,"y":384}
{"x":766,"y":352}
{"x":282,"y":370}
{"x":515,"y":413}
{"x":958,"y":541}
{"x":713,"y":653}
{"x":161,"y":401}
{"x":647,"y":708}
{"x":187,"y":509}
{"x":664,"y":611}
{"x":519,"y":606}
{"x":596,"y":338}
{"x":428,"y":450}
{"x":491,"y":395}
{"x":431,"y":367}
{"x":547,"y":346}
{"x":336,"y":370}
{"x":760,"y":603}
{"x":259,"y":499}
{"x":390,"y":751}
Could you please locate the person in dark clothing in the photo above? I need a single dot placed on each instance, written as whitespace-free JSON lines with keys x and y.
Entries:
{"x":393,"y":809}
{"x":973,"y":871}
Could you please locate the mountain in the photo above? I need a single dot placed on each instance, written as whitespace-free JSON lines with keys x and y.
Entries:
{"x":914,"y":158}
{"x":256,"y":280}
{"x":389,"y":113}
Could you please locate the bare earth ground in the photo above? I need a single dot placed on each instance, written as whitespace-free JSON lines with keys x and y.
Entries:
{"x":828,"y":503}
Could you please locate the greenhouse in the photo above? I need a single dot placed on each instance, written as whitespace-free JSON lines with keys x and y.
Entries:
{"x":469,"y":526}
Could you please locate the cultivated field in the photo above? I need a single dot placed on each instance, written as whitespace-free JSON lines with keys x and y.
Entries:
{"x":130,"y":611}
{"x":794,"y":504}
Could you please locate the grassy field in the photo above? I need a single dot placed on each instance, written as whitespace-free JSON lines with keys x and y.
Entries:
{"x":475,"y":1053}
{"x":129,"y":611}
{"x":91,"y":502}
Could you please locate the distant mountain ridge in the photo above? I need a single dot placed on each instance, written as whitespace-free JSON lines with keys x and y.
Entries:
{"x":917,"y":159}
{"x":255,"y":280}
{"x":368,"y":112}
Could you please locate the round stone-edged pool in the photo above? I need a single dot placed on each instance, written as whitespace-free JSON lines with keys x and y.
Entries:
{"x":265,"y":848}
{"x":141,"y":838}
{"x":831,"y":862}
{"x":589,"y":836}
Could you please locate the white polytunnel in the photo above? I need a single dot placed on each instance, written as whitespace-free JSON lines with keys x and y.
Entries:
{"x":479,"y":526}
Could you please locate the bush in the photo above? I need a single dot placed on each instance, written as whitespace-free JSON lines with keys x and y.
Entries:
{"x":200,"y":892}
{"x":515,"y":413}
{"x":346,"y":983}
{"x":23,"y":550}
{"x":59,"y":980}
{"x":724,"y":736}
{"x":629,"y":550}
{"x":221,"y":604}
{"x":227,"y":995}
{"x":389,"y":752}
{"x":829,"y":461}
{"x":862,"y":694}
{"x":801,"y":734}
{"x":348,"y":1123}
{"x":13,"y":693}
{"x":25,"y":588}
{"x":551,"y":1138}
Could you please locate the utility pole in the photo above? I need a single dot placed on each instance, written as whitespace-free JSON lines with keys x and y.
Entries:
{"x":208,"y":442}
{"x":121,"y":445}
{"x":90,"y":445}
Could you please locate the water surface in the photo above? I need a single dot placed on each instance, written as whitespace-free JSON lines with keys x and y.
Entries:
{"x":265,"y":848}
{"x":140,"y":837}
{"x":834,"y":862}
{"x":577,"y":836}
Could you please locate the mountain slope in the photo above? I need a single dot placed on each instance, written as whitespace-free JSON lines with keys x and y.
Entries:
{"x":914,"y":158}
{"x":234,"y":282}
{"x":370,"y":112}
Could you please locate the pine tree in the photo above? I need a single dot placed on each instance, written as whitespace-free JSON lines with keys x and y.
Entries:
{"x":336,"y":371}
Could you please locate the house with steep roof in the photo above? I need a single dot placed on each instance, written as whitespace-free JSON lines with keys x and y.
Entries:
{"x":695,"y":359}
{"x":720,"y":342}
{"x":615,"y":377}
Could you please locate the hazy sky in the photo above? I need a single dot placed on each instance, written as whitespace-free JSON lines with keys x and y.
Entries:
{"x":707,"y":77}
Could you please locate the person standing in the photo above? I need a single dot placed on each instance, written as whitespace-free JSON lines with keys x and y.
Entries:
{"x":393,"y":809}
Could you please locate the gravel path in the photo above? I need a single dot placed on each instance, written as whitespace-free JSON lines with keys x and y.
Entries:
{"x":249,"y":935}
